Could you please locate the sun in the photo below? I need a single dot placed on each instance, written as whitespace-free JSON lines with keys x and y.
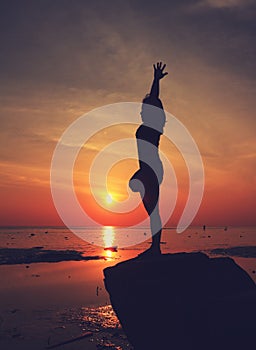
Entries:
{"x":109,"y":199}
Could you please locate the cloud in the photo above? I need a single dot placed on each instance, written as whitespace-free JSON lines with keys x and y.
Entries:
{"x":223,"y":4}
{"x":14,"y":174}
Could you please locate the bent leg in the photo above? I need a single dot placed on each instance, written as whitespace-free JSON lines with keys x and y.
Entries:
{"x":136,"y":183}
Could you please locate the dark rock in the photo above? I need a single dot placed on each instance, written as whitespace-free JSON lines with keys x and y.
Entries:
{"x":14,"y":311}
{"x":183,"y":301}
{"x":113,"y":249}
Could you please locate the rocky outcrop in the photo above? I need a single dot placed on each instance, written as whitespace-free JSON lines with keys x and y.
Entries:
{"x":184,"y":301}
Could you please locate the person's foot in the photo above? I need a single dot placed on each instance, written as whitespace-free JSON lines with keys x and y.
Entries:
{"x":151,"y":252}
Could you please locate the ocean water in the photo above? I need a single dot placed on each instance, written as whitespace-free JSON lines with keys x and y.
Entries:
{"x":52,"y":281}
{"x":237,"y":242}
{"x":63,"y":238}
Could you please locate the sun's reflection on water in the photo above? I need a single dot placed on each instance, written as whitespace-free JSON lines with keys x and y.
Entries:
{"x":109,"y":241}
{"x":108,"y":236}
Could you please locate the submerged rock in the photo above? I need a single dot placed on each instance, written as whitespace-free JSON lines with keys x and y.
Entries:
{"x":183,"y":301}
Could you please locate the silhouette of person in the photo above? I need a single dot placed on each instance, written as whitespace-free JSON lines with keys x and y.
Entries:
{"x":148,"y":178}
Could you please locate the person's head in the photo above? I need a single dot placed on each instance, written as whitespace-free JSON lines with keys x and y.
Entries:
{"x":154,"y":117}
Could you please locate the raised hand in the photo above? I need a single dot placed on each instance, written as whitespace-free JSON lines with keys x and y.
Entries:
{"x":158,"y":70}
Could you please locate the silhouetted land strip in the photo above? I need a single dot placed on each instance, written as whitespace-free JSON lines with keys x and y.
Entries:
{"x":242,"y":252}
{"x":184,"y":301}
{"x":11,"y":256}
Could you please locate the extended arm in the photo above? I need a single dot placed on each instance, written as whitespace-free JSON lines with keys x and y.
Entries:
{"x":158,"y":74}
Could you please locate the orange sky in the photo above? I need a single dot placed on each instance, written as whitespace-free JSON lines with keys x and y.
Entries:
{"x":65,"y":61}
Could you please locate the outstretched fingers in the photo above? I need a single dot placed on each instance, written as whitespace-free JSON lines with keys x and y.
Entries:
{"x":158,"y":70}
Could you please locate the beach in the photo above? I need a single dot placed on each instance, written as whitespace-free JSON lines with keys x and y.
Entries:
{"x":138,"y":114}
{"x":52,"y":287}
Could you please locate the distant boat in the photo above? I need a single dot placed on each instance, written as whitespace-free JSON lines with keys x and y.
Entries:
{"x":112,"y":249}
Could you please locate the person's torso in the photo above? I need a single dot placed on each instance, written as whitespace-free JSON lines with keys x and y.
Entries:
{"x":147,"y":143}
